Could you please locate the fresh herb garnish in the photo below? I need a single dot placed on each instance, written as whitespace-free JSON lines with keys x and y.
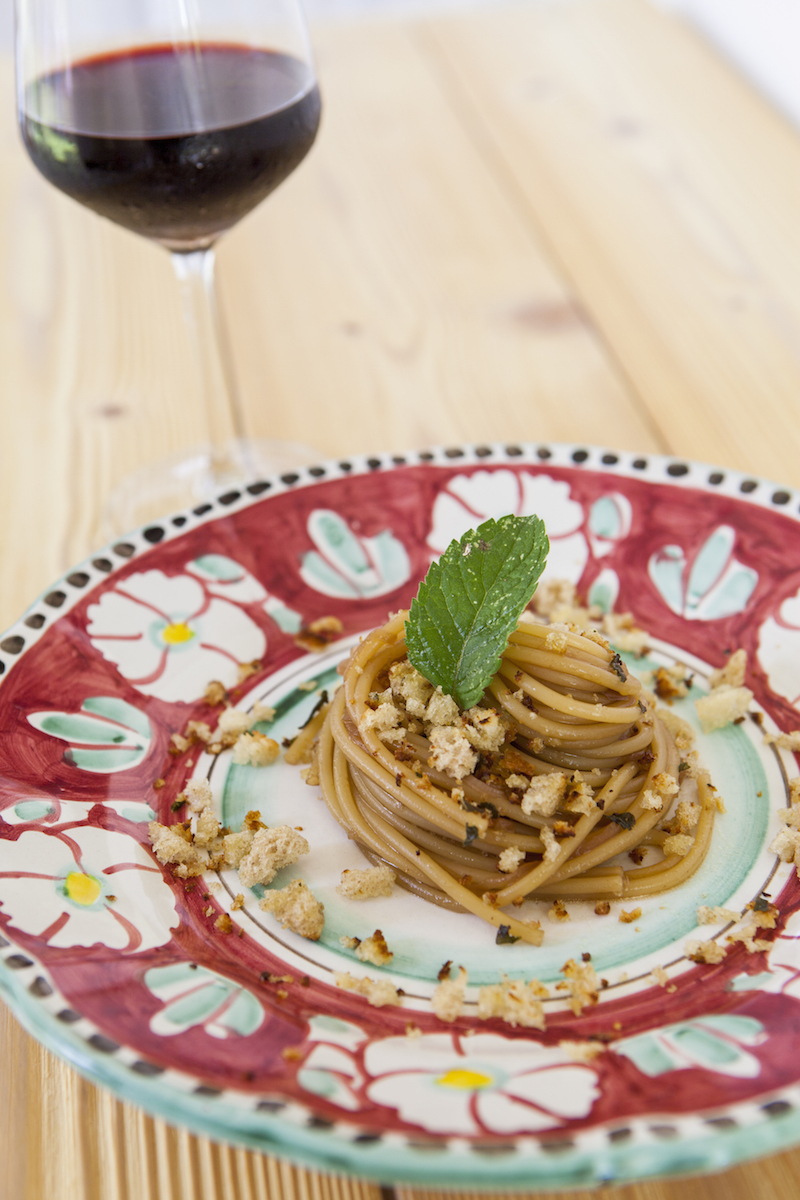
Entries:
{"x":472,"y":833}
{"x":470,"y":601}
{"x":618,"y":667}
{"x":483,"y":806}
{"x":323,"y":700}
{"x":624,"y":820}
{"x":504,"y":936}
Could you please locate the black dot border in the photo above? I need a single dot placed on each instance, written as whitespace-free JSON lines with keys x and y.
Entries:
{"x":550,"y":1144}
{"x":73,"y":587}
{"x":655,"y":468}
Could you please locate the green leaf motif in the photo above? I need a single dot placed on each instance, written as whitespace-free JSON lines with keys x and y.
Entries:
{"x":106,"y":736}
{"x":470,"y":601}
{"x":196,"y":996}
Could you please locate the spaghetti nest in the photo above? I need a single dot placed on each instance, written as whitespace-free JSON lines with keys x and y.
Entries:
{"x":536,"y":792}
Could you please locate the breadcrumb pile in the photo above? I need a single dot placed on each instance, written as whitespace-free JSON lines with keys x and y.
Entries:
{"x":257,"y":852}
{"x":758,"y":915}
{"x":412,"y":705}
{"x":786,"y":843}
{"x":234,"y":730}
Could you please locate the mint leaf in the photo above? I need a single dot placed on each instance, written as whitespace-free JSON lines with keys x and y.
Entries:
{"x":469,"y":602}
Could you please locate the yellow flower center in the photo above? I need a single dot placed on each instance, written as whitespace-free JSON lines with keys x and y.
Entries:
{"x":175,"y":634}
{"x":465,"y":1080}
{"x":83,"y":889}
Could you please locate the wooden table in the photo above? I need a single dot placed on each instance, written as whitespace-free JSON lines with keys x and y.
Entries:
{"x":555,"y":221}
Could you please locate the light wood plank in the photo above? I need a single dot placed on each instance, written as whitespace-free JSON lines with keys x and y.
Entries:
{"x":775,"y":1178}
{"x":668,"y":191}
{"x":392,"y":289}
{"x":64,"y":1137}
{"x":410,"y":285}
{"x":97,"y":373}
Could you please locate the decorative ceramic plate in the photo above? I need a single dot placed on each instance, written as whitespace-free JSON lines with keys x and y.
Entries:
{"x":123,"y":969}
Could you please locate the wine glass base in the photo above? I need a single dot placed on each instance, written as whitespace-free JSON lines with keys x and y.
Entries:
{"x":189,"y":478}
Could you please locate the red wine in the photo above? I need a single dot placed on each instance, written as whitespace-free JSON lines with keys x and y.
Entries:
{"x":175,"y":143}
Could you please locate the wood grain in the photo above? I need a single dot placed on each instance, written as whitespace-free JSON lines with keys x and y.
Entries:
{"x":563,"y":221}
{"x":667,"y":192}
{"x":421,"y":304}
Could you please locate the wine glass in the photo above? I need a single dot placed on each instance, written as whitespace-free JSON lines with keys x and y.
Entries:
{"x":173,"y":118}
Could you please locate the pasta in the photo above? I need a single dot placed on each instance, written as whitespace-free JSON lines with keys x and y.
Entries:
{"x":534,"y":793}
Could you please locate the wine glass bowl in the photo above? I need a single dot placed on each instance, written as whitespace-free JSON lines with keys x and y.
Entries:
{"x":174,"y":119}
{"x":116,"y":133}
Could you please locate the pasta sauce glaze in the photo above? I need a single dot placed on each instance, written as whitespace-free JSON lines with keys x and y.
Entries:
{"x":175,"y":143}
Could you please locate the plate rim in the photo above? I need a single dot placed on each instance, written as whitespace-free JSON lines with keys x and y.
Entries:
{"x":310,"y":1146}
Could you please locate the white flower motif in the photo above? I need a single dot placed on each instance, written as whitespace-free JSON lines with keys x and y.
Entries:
{"x":467,"y":500}
{"x":84,"y":887}
{"x":450,"y":1084}
{"x":778,"y":648}
{"x":170,"y":635}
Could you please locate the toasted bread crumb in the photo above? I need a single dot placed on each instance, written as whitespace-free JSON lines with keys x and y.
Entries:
{"x":722,"y":706}
{"x":270,"y":850}
{"x":514,"y":1002}
{"x":733,"y":673}
{"x":559,"y":912}
{"x":582,"y":983}
{"x":296,"y":909}
{"x":511,"y":858}
{"x":447,"y":1000}
{"x":451,"y":751}
{"x":545,"y":794}
{"x":236,"y":846}
{"x":710,"y":952}
{"x":681,"y":730}
{"x":198,"y":795}
{"x":379,"y":993}
{"x":367,"y":884}
{"x":715,"y":916}
{"x":255,"y":750}
{"x":582,"y":1052}
{"x":232,"y":723}
{"x":215,"y":694}
{"x":678,"y":843}
{"x":784,"y":741}
{"x":172,"y":847}
{"x":373,"y":949}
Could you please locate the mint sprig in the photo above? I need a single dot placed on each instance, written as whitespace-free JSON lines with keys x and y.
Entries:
{"x":470,"y":601}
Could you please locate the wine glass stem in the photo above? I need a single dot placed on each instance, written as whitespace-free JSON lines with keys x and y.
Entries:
{"x":223,"y":413}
